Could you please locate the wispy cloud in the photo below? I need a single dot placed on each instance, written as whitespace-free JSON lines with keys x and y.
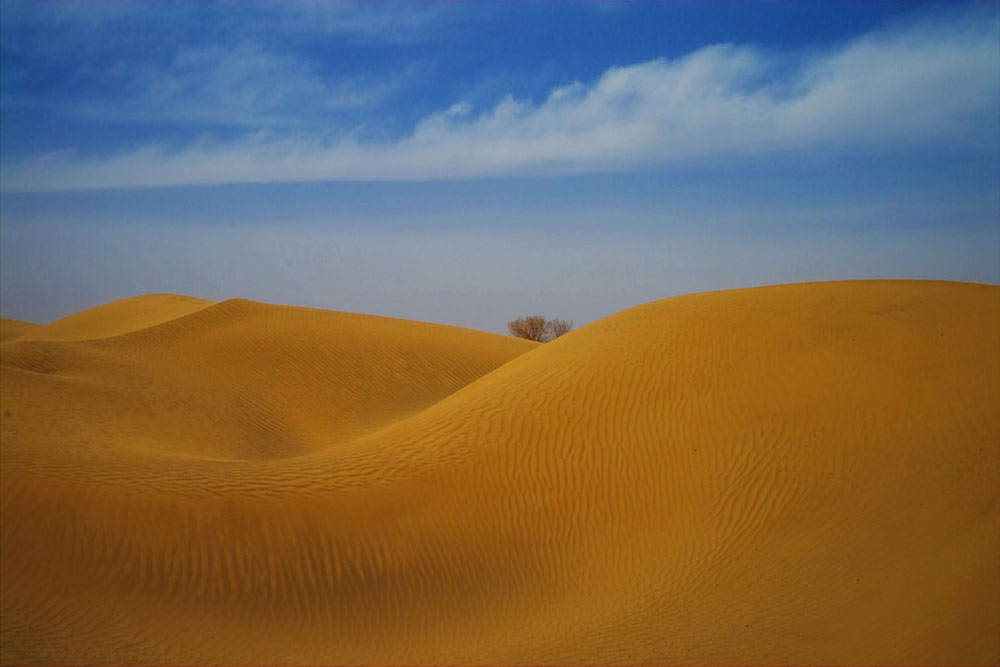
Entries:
{"x":228,"y":64}
{"x":380,"y":21}
{"x":929,"y":83}
{"x":240,"y":85}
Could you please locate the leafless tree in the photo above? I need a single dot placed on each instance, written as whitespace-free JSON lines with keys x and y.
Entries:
{"x":537,"y":328}
{"x":558,"y":328}
{"x":530,"y":327}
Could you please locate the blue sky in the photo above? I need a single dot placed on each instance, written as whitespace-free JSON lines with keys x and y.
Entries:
{"x":465,"y":163}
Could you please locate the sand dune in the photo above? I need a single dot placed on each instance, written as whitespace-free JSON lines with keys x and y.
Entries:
{"x":118,"y":317}
{"x":11,"y":329}
{"x":238,"y":379}
{"x":796,"y":474}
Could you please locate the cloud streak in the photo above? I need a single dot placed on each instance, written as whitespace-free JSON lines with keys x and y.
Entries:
{"x":931,"y":83}
{"x":239,"y":85}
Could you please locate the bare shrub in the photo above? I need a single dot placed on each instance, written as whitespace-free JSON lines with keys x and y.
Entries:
{"x":529,"y":327}
{"x":558,"y":328}
{"x":537,"y":328}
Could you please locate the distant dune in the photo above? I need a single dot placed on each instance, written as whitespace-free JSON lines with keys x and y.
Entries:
{"x":797,"y":474}
{"x":118,"y":317}
{"x":235,"y":380}
{"x":11,"y":329}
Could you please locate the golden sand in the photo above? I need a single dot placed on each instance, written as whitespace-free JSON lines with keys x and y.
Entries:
{"x":118,"y":317}
{"x":11,"y":329}
{"x":796,"y":474}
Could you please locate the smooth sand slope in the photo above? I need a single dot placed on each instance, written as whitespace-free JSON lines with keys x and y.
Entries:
{"x":796,"y":474}
{"x":11,"y":329}
{"x":237,"y":380}
{"x":118,"y":317}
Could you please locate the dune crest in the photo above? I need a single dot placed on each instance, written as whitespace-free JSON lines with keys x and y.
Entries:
{"x":118,"y":317}
{"x":243,"y":380}
{"x":12,"y":329}
{"x":798,"y":474}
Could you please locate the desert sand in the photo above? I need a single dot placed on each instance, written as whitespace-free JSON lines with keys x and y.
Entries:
{"x":11,"y":329}
{"x":119,"y":317}
{"x":796,"y":474}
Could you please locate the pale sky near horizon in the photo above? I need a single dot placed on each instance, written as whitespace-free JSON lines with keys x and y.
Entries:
{"x":465,"y":163}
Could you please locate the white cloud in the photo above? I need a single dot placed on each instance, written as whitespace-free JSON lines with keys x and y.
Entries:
{"x":923,"y":84}
{"x":238,"y":85}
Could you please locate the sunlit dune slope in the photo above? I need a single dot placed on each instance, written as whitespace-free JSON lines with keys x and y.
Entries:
{"x":796,"y":474}
{"x":118,"y":317}
{"x":239,"y":380}
{"x":11,"y":329}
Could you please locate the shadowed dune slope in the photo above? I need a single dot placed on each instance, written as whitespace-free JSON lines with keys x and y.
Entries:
{"x":118,"y":317}
{"x":795,"y":474}
{"x":11,"y":329}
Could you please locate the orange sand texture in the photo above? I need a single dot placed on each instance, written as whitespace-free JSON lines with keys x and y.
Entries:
{"x":11,"y":329}
{"x":795,"y":474}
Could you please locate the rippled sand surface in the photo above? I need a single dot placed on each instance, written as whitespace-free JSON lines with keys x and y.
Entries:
{"x":794,"y":474}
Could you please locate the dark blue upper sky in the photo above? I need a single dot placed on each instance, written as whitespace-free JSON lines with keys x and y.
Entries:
{"x":76,"y":76}
{"x":766,"y":142}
